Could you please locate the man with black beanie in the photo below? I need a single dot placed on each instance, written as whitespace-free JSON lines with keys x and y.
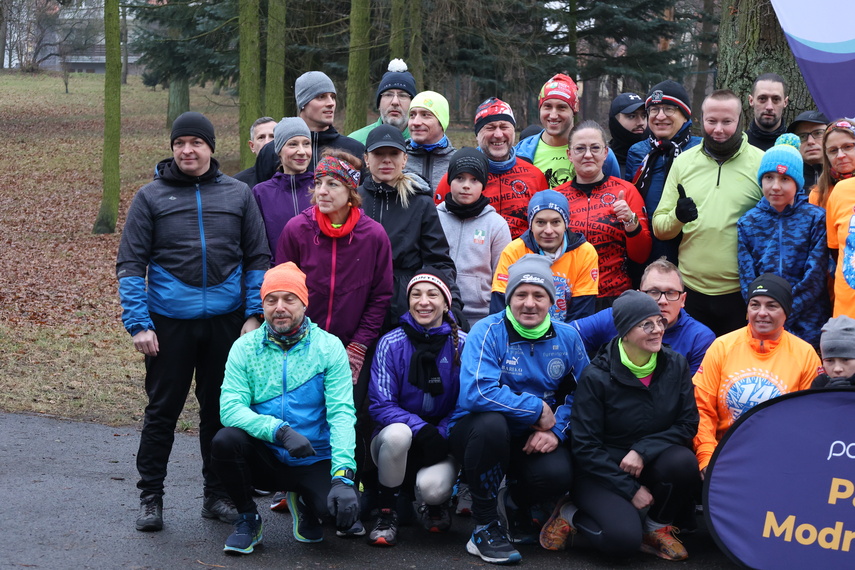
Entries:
{"x":511,"y":181}
{"x":394,"y":94}
{"x":190,"y":265}
{"x":709,"y":188}
{"x":627,"y":124}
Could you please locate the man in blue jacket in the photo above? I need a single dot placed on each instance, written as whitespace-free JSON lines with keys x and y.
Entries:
{"x":662,"y":281}
{"x":518,"y":372}
{"x":190,"y":264}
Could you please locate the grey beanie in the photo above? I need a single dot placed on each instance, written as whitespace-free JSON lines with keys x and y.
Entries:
{"x":310,"y":85}
{"x":530,"y":269}
{"x":838,"y":338}
{"x":631,"y":308}
{"x":287,"y":129}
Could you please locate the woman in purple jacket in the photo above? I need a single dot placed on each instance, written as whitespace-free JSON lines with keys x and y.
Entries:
{"x":415,"y":381}
{"x":288,"y":192}
{"x":346,"y":256}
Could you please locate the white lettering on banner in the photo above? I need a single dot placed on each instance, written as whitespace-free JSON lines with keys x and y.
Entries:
{"x":839,"y":449}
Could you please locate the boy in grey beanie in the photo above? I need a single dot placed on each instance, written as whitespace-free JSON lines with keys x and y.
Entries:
{"x":837,"y":344}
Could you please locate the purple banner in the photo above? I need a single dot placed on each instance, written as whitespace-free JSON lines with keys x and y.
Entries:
{"x":780,"y":489}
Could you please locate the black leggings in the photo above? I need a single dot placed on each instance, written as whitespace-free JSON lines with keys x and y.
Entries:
{"x":612,"y":524}
{"x":482,"y":443}
{"x":721,"y":313}
{"x":244,"y":462}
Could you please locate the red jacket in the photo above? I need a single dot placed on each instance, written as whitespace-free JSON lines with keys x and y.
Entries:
{"x":509,"y":193}
{"x":593,"y":216}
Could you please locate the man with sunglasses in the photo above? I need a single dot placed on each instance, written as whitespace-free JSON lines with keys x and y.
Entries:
{"x":810,"y":127}
{"x":662,"y":282}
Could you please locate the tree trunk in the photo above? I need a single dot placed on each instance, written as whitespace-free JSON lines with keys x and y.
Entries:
{"x":357,"y":65}
{"x":416,"y":62}
{"x":706,"y":54}
{"x":397,"y":32}
{"x":3,"y":28}
{"x":750,"y":43}
{"x":105,"y":222}
{"x":274,"y":93}
{"x":124,"y":45}
{"x":179,"y":99}
{"x":250,"y":76}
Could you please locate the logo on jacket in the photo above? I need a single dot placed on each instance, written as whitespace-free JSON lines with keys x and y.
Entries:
{"x":555,"y":368}
{"x":519,"y":187}
{"x":480,"y":236}
{"x":594,"y":274}
{"x":748,"y":388}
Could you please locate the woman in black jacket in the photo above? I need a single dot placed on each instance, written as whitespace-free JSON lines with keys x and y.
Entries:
{"x":634,"y":417}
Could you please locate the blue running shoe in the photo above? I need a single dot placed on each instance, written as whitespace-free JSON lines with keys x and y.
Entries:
{"x":246,"y":536}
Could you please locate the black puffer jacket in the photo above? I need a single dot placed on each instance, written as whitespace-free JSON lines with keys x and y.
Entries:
{"x":614,"y":413}
{"x":416,"y":235}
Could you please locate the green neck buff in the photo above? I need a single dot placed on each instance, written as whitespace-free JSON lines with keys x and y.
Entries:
{"x":638,"y":371}
{"x":530,"y":334}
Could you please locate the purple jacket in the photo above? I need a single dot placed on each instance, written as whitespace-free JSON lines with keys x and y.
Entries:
{"x":280,"y":199}
{"x":349,"y":278}
{"x":394,"y":400}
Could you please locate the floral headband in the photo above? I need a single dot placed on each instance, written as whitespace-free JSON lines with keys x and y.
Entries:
{"x":338,"y":169}
{"x":844,"y":124}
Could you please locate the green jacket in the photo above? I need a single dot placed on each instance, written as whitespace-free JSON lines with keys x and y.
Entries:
{"x":309,"y":388}
{"x":361,"y":135}
{"x":722,"y":194}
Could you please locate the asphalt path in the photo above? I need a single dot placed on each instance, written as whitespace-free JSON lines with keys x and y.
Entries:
{"x":68,"y":500}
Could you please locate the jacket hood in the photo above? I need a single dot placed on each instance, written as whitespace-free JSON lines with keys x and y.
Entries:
{"x":164,"y":171}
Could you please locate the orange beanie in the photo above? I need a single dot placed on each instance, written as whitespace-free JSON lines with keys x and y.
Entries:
{"x":286,"y":277}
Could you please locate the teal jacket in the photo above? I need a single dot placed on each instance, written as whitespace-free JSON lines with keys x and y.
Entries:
{"x":308,"y":388}
{"x":361,"y":135}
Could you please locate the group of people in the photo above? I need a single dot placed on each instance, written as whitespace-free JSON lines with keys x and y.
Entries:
{"x":550,"y":334}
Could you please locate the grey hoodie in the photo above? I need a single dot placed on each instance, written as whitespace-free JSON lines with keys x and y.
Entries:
{"x":476,"y":245}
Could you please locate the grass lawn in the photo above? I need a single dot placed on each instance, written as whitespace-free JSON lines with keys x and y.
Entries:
{"x":63,"y":350}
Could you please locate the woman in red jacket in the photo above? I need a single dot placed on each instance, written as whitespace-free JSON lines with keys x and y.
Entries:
{"x":608,"y":211}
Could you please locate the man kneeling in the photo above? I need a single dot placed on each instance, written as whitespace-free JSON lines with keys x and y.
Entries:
{"x":516,"y":382}
{"x":287,"y":408}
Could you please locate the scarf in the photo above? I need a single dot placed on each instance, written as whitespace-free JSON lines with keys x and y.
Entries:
{"x":526,"y":333}
{"x":467,"y":211}
{"x":637,"y":371}
{"x":330,"y":230}
{"x":661,"y":148}
{"x":441,"y":143}
{"x":287,"y":340}
{"x":500,"y":167}
{"x":722,"y":151}
{"x":622,"y":139}
{"x":765,"y":137}
{"x":424,"y":373}
{"x":838,"y":176}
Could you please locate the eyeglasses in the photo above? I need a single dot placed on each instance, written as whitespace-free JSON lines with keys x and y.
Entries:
{"x":389,"y":95}
{"x":650,"y":326}
{"x":846,"y":148}
{"x":816,"y":134}
{"x":582,"y":150}
{"x":669,"y":110}
{"x":670,"y":295}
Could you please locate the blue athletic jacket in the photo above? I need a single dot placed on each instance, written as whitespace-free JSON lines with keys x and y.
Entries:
{"x":190,"y":251}
{"x":500,"y":371}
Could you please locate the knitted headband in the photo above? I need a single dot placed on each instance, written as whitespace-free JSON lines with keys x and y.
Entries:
{"x":338,"y":169}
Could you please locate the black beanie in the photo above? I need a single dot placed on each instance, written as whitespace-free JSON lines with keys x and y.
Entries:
{"x":471,"y":160}
{"x":770,"y":285}
{"x":193,"y":124}
{"x":631,"y":308}
{"x":670,"y":93}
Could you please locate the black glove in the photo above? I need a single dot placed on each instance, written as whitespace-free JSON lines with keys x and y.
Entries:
{"x":431,"y":445}
{"x":343,"y":504}
{"x":686,"y":211}
{"x":296,"y":443}
{"x":840,"y":382}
